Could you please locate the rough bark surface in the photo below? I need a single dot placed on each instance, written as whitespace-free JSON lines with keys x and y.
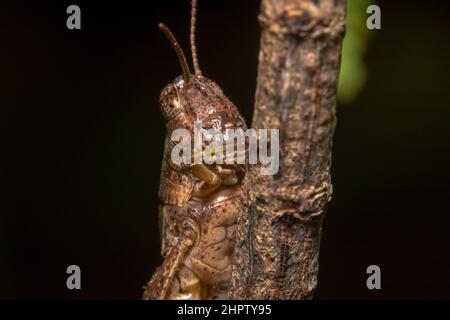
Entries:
{"x":278,"y":239}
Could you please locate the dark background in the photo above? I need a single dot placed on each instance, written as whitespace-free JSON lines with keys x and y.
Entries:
{"x":82,"y":138}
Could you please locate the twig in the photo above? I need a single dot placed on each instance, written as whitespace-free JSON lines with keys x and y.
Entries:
{"x":279,"y":238}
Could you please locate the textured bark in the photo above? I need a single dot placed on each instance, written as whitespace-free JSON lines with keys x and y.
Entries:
{"x":279,"y":238}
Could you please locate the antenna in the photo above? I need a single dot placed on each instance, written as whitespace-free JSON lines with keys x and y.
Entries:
{"x":173,"y":41}
{"x":198,"y":72}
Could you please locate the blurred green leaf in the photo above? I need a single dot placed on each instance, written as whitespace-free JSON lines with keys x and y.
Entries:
{"x":353,"y":72}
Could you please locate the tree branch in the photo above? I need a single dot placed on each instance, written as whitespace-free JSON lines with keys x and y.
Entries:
{"x":278,"y":239}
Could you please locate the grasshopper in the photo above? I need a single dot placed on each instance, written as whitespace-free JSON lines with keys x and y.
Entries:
{"x":201,"y":202}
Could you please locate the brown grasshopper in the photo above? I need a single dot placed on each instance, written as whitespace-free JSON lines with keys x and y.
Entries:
{"x":201,"y":202}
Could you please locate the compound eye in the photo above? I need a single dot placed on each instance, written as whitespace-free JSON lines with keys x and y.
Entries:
{"x":171,"y":109}
{"x":169,"y":102}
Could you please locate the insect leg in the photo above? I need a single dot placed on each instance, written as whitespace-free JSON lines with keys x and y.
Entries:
{"x":161,"y":282}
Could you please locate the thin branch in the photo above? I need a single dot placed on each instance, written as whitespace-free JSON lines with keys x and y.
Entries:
{"x":279,"y":238}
